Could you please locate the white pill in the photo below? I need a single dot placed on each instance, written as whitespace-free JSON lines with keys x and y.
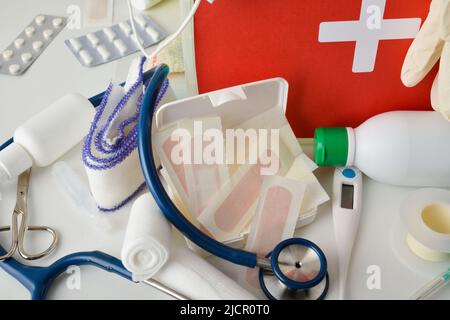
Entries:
{"x":104,"y":52}
{"x":40,"y":20}
{"x":57,"y":22}
{"x":76,"y":44}
{"x":93,"y":39}
{"x":120,"y":45}
{"x":86,"y":57}
{"x":14,"y":69}
{"x":37,"y":45}
{"x":30,"y":31}
{"x":26,"y":57}
{"x":7,"y":54}
{"x":126,"y":28}
{"x":141,"y":21}
{"x":19,"y":42}
{"x":48,"y":33}
{"x":152,"y":33}
{"x":110,"y":34}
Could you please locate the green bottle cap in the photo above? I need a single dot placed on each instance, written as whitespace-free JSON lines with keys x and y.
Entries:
{"x":331,"y":147}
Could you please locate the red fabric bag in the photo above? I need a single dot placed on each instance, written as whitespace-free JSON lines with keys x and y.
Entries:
{"x":240,"y":41}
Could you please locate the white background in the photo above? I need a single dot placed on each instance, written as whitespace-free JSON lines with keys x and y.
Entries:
{"x":57,"y":72}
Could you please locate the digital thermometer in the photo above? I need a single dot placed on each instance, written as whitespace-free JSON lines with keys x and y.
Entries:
{"x":347,"y":204}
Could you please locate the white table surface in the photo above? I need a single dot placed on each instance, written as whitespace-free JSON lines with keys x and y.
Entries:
{"x":56,"y":72}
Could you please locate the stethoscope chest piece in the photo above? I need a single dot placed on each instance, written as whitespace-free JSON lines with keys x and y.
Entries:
{"x":299,"y":272}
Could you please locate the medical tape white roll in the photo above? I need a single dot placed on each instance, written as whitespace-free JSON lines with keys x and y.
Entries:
{"x":146,"y":247}
{"x":110,"y":152}
{"x":426,"y":215}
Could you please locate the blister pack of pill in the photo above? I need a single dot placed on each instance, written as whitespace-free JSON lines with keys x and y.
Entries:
{"x":114,"y":42}
{"x":30,"y":43}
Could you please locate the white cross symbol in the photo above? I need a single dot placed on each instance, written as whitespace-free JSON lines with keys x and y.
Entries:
{"x":367,"y":32}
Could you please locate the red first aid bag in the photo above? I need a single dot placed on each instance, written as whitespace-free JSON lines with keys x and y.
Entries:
{"x":342,"y":58}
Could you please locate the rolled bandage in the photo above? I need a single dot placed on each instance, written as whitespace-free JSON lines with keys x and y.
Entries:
{"x":110,"y":149}
{"x":194,"y":277}
{"x":147,"y":241}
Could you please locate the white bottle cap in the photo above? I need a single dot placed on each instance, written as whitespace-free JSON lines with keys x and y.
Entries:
{"x":13,"y":161}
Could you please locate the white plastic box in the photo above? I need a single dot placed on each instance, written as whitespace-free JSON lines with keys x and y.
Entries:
{"x":234,"y":105}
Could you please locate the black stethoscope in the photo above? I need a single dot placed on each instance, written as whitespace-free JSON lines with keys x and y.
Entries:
{"x":295,"y":270}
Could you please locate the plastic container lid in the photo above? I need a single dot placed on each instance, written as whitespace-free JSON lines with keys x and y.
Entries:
{"x":233,"y":105}
{"x":331,"y":146}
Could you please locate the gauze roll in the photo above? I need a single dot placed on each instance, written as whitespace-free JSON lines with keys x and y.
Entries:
{"x":110,"y":149}
{"x":147,"y":241}
{"x":194,"y":277}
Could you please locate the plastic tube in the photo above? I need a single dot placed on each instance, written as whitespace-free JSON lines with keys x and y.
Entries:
{"x":432,"y":287}
{"x":79,"y":194}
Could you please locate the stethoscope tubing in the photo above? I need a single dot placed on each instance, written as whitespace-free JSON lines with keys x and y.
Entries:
{"x":168,"y":208}
{"x":156,"y":78}
{"x":156,"y":188}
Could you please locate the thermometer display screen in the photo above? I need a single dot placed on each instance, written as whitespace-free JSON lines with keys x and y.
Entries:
{"x":347,"y":196}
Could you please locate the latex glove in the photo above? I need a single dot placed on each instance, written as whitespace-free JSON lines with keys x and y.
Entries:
{"x":431,"y":43}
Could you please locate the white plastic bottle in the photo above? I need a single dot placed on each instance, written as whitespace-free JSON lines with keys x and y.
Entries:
{"x":47,"y":136}
{"x":408,"y":148}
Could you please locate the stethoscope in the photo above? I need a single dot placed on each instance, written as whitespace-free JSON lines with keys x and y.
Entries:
{"x":296,"y":269}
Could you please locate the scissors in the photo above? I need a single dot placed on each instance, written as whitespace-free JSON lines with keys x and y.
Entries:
{"x":18,"y":229}
{"x":38,"y":280}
